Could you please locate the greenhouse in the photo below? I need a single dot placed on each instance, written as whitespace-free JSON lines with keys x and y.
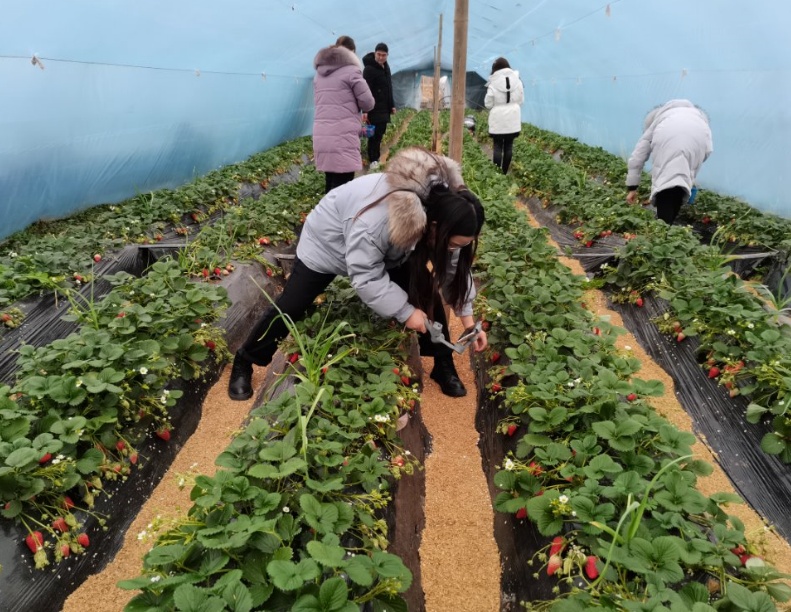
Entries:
{"x":332,"y":306}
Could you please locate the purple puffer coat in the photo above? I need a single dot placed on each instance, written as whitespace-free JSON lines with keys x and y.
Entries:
{"x":340,"y":93}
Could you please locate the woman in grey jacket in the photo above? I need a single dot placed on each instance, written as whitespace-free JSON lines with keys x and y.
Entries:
{"x":677,"y":137}
{"x":381,"y":230}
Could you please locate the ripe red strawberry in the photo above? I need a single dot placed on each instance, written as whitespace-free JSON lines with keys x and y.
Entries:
{"x":65,"y":550}
{"x":120,"y":445}
{"x":745,"y":558}
{"x":211,"y":345}
{"x":83,"y":540}
{"x":589,"y":243}
{"x":405,"y":380}
{"x":97,"y":258}
{"x":714,"y":372}
{"x":553,"y":565}
{"x":521,"y":513}
{"x":120,"y":315}
{"x":67,"y":503}
{"x":591,"y":571}
{"x":45,"y":457}
{"x":269,"y":272}
{"x":164,"y":434}
{"x":558,"y":544}
{"x":205,"y":272}
{"x":292,"y":358}
{"x":495,"y":357}
{"x":396,"y":371}
{"x":739,"y":550}
{"x":639,"y":302}
{"x":263,"y":241}
{"x":631,"y":397}
{"x":133,"y":458}
{"x":596,"y":331}
{"x":35,"y":541}
{"x":706,"y":219}
{"x":496,"y":387}
{"x":324,"y":369}
{"x":60,"y":524}
{"x":512,"y":429}
{"x":218,"y":271}
{"x":486,"y":326}
{"x":680,"y":337}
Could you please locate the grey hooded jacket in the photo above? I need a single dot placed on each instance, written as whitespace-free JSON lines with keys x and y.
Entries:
{"x":338,"y":238}
{"x":677,"y":137}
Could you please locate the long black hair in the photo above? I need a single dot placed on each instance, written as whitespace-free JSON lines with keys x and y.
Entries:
{"x":448,"y":214}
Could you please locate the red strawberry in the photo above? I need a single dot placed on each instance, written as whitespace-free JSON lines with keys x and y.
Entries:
{"x":205,"y":272}
{"x":521,"y":513}
{"x":558,"y":544}
{"x":133,"y":458}
{"x":639,"y":302}
{"x":164,"y":434}
{"x":745,"y":558}
{"x":292,"y":358}
{"x":405,"y":380}
{"x":396,"y":371}
{"x":211,"y":345}
{"x":269,"y":272}
{"x":45,"y":457}
{"x":631,"y":397}
{"x":35,"y":541}
{"x":324,"y":369}
{"x":591,"y":571}
{"x":596,"y":331}
{"x":217,"y":271}
{"x":263,"y":241}
{"x":553,"y":565}
{"x":65,"y":550}
{"x":706,"y":219}
{"x":83,"y":540}
{"x":589,"y":243}
{"x":120,"y":315}
{"x":120,"y":445}
{"x":97,"y":258}
{"x":67,"y":503}
{"x":739,"y":550}
{"x":714,"y":372}
{"x":398,"y":460}
{"x":680,"y":337}
{"x":486,"y":326}
{"x":495,"y":357}
{"x":512,"y":429}
{"x":496,"y":387}
{"x":60,"y":524}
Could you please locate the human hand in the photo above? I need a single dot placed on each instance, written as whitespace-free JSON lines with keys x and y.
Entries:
{"x":417,"y":321}
{"x":631,"y":197}
{"x":481,"y":342}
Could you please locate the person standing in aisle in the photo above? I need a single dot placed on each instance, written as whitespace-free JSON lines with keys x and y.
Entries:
{"x":382,"y":230}
{"x":340,"y":93}
{"x":377,"y":75}
{"x":504,"y":96}
{"x":677,"y":138}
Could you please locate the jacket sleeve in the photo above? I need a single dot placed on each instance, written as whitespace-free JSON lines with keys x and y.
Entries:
{"x":365,"y":99}
{"x":488,"y":101}
{"x":518,"y":95}
{"x":637,"y":159}
{"x":369,"y":278}
{"x":390,"y":85}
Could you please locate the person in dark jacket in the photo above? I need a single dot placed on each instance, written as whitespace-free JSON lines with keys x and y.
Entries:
{"x":340,"y":93}
{"x":376,"y":73}
{"x":381,"y":230}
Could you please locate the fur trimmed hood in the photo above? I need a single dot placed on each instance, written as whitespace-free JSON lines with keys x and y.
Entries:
{"x":329,"y":59}
{"x":411,"y":174}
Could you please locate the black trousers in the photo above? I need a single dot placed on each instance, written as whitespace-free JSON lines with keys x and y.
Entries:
{"x":668,"y":203}
{"x":336,"y":179}
{"x":503,"y":150}
{"x":303,"y":286}
{"x":375,"y":142}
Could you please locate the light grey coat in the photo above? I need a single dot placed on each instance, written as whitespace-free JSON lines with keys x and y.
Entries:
{"x":338,"y":238}
{"x":677,"y":138}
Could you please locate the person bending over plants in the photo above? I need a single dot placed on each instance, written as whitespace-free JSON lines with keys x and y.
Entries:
{"x":404,"y":237}
{"x":677,"y":138}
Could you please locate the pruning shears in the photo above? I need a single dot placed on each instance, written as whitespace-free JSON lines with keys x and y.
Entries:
{"x":434,"y":329}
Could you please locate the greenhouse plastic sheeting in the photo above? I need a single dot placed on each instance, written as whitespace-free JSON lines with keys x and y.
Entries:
{"x":103,"y":100}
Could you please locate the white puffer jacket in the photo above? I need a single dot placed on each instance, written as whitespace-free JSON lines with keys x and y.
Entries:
{"x":504,"y":95}
{"x":677,"y":138}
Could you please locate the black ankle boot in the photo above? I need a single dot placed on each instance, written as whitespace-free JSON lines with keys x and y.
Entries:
{"x":240,"y":385}
{"x":444,"y":373}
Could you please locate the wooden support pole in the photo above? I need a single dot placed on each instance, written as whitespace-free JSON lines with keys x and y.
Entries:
{"x":458,"y":100}
{"x":435,"y":143}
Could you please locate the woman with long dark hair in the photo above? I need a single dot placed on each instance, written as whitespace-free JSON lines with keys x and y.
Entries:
{"x":383,"y":230}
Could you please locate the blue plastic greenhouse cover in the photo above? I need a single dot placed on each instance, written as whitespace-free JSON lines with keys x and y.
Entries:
{"x":101,"y":100}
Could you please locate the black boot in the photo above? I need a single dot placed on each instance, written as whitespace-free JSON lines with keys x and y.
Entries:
{"x":240,"y":386}
{"x":444,"y":373}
